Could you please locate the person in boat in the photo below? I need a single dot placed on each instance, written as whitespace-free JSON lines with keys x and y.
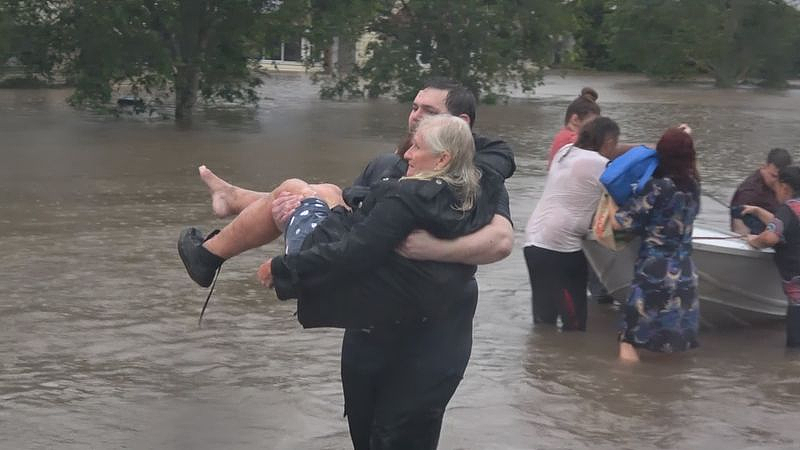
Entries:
{"x":758,"y":189}
{"x":783,"y":234}
{"x":662,"y":311}
{"x":556,"y":264}
{"x":386,"y":369}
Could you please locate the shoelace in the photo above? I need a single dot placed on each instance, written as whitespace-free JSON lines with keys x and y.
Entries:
{"x":210,"y":291}
{"x":213,"y":283}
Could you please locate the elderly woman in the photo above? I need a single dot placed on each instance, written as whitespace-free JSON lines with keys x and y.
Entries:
{"x":443,"y":192}
{"x":662,"y":311}
{"x":336,"y":258}
{"x":556,"y":265}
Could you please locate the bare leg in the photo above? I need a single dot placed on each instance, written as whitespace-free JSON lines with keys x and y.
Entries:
{"x":628,"y":353}
{"x":226,"y":199}
{"x":254,"y":226}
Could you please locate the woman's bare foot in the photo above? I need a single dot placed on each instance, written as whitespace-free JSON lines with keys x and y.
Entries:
{"x":628,"y":353}
{"x":221,"y":193}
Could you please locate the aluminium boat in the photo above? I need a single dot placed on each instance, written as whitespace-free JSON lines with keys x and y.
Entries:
{"x":738,"y":285}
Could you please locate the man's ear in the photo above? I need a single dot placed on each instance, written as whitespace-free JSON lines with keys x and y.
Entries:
{"x":465,"y":118}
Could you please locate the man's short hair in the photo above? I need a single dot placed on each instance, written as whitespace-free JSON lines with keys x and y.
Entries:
{"x":460,"y":100}
{"x":791,"y":176}
{"x":779,"y":158}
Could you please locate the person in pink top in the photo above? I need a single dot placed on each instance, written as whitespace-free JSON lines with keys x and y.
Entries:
{"x":583,"y":109}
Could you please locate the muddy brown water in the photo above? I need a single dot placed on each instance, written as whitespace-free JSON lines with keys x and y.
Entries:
{"x":99,"y":344}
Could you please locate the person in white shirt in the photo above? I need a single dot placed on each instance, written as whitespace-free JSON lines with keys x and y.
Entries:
{"x":557,"y":267}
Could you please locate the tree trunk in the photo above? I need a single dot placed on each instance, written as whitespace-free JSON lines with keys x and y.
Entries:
{"x":187,"y":83}
{"x":347,"y":56}
{"x":192,"y":39}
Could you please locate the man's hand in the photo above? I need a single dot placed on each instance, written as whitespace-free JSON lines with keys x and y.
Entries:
{"x":750,"y":209}
{"x":283,"y":207}
{"x":418,"y":245}
{"x":265,"y":273}
{"x":485,"y":246}
{"x":685,"y":128}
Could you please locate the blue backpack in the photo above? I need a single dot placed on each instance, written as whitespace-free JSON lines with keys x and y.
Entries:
{"x":627,"y":174}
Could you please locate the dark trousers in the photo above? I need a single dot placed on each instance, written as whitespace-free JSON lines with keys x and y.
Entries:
{"x":793,"y":325}
{"x":558,"y":286}
{"x":397,"y":382}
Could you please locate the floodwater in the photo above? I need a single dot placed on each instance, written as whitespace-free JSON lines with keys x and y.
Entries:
{"x":99,"y":343}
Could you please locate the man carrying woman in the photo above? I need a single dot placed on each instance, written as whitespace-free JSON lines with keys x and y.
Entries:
{"x":398,"y":377}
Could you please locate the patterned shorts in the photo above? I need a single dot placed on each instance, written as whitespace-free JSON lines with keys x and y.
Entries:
{"x":306,"y":217}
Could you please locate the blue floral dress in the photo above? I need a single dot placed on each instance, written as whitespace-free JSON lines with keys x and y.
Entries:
{"x":662,"y":312}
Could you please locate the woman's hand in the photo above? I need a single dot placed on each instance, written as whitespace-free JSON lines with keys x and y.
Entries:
{"x":265,"y":273}
{"x":685,"y":128}
{"x":283,"y":207}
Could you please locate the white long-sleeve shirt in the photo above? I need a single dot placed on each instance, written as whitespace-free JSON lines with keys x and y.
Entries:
{"x":572,"y":191}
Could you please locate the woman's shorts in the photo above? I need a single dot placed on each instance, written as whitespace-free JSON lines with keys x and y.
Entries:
{"x":306,"y":217}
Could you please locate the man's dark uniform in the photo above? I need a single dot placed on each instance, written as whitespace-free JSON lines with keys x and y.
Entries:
{"x":398,"y":376}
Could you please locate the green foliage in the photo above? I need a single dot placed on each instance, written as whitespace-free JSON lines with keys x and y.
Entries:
{"x":155,"y":48}
{"x":592,"y":34}
{"x":731,"y":40}
{"x":487,"y":45}
{"x":343,"y":19}
{"x":27,"y":35}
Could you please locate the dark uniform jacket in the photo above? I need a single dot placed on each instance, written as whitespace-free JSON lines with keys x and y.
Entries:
{"x":348,"y":274}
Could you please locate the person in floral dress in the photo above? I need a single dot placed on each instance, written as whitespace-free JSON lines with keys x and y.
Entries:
{"x":662,"y":312}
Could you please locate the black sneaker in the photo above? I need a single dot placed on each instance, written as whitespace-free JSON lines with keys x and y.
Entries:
{"x":200,"y":263}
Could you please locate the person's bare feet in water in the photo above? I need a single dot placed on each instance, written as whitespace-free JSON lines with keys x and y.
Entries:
{"x":628,"y":353}
{"x":222,"y":193}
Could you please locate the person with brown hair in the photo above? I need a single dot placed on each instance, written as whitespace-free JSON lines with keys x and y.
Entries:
{"x":557,"y":267}
{"x":662,"y":312}
{"x":783,"y":234}
{"x":758,"y":189}
{"x":583,"y":109}
{"x":398,"y":378}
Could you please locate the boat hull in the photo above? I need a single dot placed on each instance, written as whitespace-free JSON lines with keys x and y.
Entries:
{"x":737,"y":284}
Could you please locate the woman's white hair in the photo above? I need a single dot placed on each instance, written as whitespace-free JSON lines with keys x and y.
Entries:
{"x":444,"y":133}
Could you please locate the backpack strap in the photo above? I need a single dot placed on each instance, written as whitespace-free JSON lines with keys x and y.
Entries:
{"x":648,"y":173}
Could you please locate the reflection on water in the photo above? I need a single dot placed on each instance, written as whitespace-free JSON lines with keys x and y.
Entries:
{"x":99,"y":346}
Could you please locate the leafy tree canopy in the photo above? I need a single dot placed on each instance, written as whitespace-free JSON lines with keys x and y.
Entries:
{"x":487,"y":45}
{"x":732,"y":40}
{"x":156,"y":48}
